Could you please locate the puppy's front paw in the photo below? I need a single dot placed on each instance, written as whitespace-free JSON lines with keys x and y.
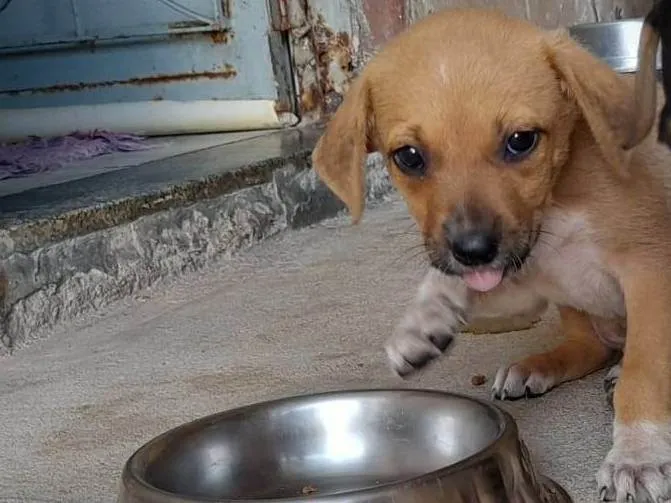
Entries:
{"x":638,"y":467}
{"x":521,"y":380}
{"x":428,"y":328}
{"x":414,"y":344}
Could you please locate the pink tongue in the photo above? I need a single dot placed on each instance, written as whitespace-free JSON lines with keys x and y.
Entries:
{"x":483,"y":280}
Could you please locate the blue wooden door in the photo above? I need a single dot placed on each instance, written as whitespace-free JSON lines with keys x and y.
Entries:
{"x":78,"y":53}
{"x":31,"y":23}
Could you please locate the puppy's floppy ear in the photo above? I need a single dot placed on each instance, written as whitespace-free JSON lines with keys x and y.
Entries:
{"x":340,"y":155}
{"x":603,"y":97}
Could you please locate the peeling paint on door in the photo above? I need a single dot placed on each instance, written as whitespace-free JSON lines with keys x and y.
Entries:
{"x":322,"y":54}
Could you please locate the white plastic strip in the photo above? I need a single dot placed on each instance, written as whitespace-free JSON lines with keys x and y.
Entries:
{"x":150,"y":118}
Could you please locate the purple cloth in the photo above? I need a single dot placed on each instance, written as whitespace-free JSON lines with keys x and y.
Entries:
{"x":38,"y":155}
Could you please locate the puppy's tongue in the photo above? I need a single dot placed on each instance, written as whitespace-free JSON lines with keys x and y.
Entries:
{"x":484,"y":279}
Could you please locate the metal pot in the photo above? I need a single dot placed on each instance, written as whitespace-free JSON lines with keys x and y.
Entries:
{"x":616,"y":43}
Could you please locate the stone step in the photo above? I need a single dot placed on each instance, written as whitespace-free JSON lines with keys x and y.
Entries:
{"x":76,"y":246}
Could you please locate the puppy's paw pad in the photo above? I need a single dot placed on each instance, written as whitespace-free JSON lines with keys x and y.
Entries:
{"x":520,"y":380}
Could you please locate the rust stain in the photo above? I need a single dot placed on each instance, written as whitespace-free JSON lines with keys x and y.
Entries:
{"x":324,"y":60}
{"x":220,"y":37}
{"x":282,"y":107}
{"x":334,"y":63}
{"x":223,"y":36}
{"x":227,"y":72}
{"x":180,"y":25}
{"x":310,"y":98}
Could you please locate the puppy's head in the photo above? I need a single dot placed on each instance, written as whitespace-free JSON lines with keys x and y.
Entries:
{"x":475,"y":113}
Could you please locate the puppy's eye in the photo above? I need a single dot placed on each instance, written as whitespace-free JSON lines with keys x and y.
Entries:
{"x":410,"y":160}
{"x":519,"y":145}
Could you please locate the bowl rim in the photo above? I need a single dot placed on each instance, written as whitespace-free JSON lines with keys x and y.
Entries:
{"x":137,"y":486}
{"x":606,"y":24}
{"x":625,"y":62}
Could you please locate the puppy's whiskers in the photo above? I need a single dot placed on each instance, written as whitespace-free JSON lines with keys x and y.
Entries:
{"x":411,"y":254}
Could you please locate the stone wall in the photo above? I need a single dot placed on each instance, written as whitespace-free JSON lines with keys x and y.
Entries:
{"x":549,"y":14}
{"x":385,"y":18}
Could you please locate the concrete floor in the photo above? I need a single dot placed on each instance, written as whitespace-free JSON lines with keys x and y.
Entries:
{"x":305,"y":312}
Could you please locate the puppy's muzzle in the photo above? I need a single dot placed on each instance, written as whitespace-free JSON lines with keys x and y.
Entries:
{"x":476,"y":246}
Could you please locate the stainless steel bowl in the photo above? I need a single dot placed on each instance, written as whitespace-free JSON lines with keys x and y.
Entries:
{"x":616,"y":43}
{"x":353,"y":446}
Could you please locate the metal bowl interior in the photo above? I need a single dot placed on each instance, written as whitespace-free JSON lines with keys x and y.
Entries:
{"x":331,"y":444}
{"x":616,"y":43}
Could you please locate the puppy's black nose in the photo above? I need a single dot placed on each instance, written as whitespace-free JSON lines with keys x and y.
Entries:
{"x":475,"y":248}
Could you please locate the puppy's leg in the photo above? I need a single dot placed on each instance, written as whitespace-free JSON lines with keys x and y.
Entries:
{"x":580,"y":354}
{"x":638,"y":466}
{"x":442,"y":308}
{"x":438,"y":312}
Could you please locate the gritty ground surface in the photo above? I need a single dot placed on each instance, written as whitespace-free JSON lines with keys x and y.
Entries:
{"x":305,"y":312}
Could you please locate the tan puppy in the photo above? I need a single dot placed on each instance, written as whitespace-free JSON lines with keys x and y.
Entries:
{"x":505,"y":142}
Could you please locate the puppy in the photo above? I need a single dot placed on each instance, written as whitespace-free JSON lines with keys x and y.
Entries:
{"x":530,"y":173}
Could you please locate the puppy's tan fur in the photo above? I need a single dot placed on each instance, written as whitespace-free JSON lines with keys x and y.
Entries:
{"x":454,"y":85}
